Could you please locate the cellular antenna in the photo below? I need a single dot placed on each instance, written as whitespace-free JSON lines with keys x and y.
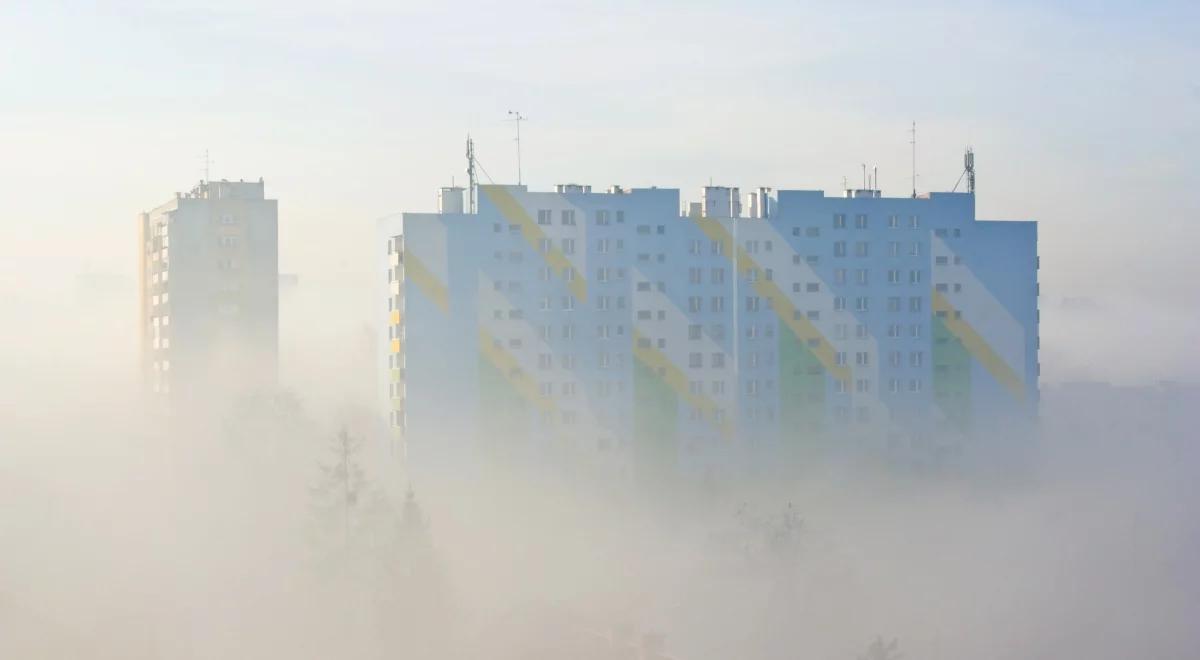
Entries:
{"x":517,"y":118}
{"x":913,"y":142}
{"x":969,"y":162}
{"x":473,"y":182}
{"x":968,"y":171}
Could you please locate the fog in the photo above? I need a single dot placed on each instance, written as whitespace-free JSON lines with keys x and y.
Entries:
{"x":130,"y":533}
{"x":226,"y":529}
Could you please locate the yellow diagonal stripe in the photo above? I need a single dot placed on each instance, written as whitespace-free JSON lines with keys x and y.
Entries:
{"x":784,"y":309}
{"x":424,"y":278}
{"x":678,"y":381}
{"x":978,"y":347}
{"x":506,"y":363}
{"x":516,"y":214}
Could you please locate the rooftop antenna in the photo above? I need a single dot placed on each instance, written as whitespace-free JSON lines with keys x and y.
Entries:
{"x":968,"y":171}
{"x":969,"y":161}
{"x":875,"y":177}
{"x":864,"y":166}
{"x":913,"y":142}
{"x":471,"y":172}
{"x":207,"y":165}
{"x":517,"y":118}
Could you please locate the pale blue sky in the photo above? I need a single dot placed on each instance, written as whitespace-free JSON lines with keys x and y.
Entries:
{"x":1083,"y":115}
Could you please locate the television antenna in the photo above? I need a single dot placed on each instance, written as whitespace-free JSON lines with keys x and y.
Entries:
{"x":516,"y":117}
{"x":913,"y":142}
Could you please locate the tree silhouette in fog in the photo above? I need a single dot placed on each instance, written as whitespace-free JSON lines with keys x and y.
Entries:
{"x":881,"y":650}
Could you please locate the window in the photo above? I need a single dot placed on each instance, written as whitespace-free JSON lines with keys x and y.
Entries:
{"x":861,"y":276}
{"x":812,"y":287}
{"x":914,"y":277}
{"x":694,"y":332}
{"x":914,"y":304}
{"x":718,"y":276}
{"x":839,"y":276}
{"x":568,"y":246}
{"x":602,"y":218}
{"x":812,"y":232}
{"x":916,"y":359}
{"x":695,"y":360}
{"x":862,"y":359}
{"x":860,"y":221}
{"x":695,"y":275}
{"x":914,"y":385}
{"x":544,"y":216}
{"x":893,"y":221}
{"x":839,"y":249}
{"x":694,"y":247}
{"x":544,"y":245}
{"x":839,"y":220}
{"x":861,"y":304}
{"x":915,"y":331}
{"x":894,"y":276}
{"x":893,"y":248}
{"x":914,"y":221}
{"x":568,"y":217}
{"x":941,"y":261}
{"x":718,"y":248}
{"x":894,"y":304}
{"x":862,"y":249}
{"x":718,"y":304}
{"x":718,"y":360}
{"x":694,"y":304}
{"x":860,"y":331}
{"x":894,"y":359}
{"x":916,"y":249}
{"x":839,"y":303}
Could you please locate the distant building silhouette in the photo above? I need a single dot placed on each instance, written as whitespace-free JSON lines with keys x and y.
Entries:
{"x":209,"y":280}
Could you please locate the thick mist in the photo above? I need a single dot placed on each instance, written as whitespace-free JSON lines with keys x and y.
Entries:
{"x":127,"y":532}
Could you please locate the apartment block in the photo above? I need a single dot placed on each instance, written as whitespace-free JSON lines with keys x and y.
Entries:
{"x":629,"y":329}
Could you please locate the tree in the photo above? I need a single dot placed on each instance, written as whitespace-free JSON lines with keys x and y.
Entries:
{"x":880,"y":650}
{"x":337,"y":498}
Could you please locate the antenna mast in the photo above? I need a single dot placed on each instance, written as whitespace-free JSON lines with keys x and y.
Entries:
{"x":913,"y":142}
{"x":969,"y":163}
{"x":471,"y":172}
{"x":517,"y":118}
{"x":207,"y":163}
{"x":968,"y":171}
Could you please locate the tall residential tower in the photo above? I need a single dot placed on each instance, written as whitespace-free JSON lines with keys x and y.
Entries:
{"x":627,"y":328}
{"x":209,"y":290}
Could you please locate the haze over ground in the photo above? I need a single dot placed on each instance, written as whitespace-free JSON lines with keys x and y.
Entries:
{"x":122,"y":538}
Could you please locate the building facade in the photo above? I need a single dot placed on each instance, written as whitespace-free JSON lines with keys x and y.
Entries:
{"x":209,"y":291}
{"x":635,"y":331}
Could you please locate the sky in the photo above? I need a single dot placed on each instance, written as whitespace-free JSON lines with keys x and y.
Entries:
{"x":1083,"y":117}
